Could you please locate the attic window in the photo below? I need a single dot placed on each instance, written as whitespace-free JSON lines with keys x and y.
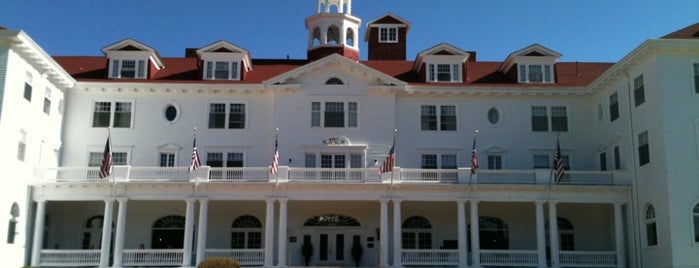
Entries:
{"x":127,"y":69}
{"x":388,"y":35}
{"x":221,"y":70}
{"x":334,"y":81}
{"x":444,"y":72}
{"x":535,"y":73}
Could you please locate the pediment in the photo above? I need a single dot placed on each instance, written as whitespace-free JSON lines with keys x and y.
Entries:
{"x":343,"y":67}
{"x":127,"y":44}
{"x":440,"y":53}
{"x":532,"y":52}
{"x":494,"y":150}
{"x":170,"y":147}
{"x":225,"y":50}
{"x":131,"y":48}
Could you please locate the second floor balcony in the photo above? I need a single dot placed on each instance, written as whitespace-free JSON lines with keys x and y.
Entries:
{"x":132,"y":174}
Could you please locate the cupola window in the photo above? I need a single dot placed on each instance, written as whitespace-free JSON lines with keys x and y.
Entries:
{"x":388,"y":35}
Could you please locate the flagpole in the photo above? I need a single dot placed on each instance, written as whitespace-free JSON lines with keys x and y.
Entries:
{"x":109,"y":138}
{"x":395,"y":132}
{"x":473,"y":155}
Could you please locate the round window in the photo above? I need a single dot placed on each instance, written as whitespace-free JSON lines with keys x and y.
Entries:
{"x":170,"y":112}
{"x":493,"y":116}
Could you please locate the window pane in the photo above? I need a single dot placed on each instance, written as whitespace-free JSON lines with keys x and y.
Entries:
{"x":448,"y":117}
{"x":326,"y":161}
{"x":141,"y":69}
{"x":643,"y":149}
{"x":209,"y":70}
{"x":214,"y":159}
{"x":559,"y":119}
{"x":236,"y":117}
{"x":449,"y":161}
{"x":167,"y":159}
{"x":547,"y":73}
{"x":352,"y":114}
{"x":429,"y":161}
{"x":118,"y":158}
{"x":128,"y":69}
{"x":535,"y":74}
{"x":334,"y":114}
{"x":28,"y":87}
{"x":238,"y":240}
{"x":409,"y":240}
{"x":444,"y":72}
{"x":217,"y":115}
{"x":234,"y":70}
{"x":603,"y":161}
{"x":617,"y":158}
{"x":613,"y":107}
{"x":355,"y":161}
{"x":428,"y":118}
{"x":95,"y":159}
{"x":100,"y":117}
{"x":122,"y":114}
{"x":696,"y":77}
{"x":310,"y":160}
{"x":539,"y":119}
{"x":494,"y":162}
{"x":639,"y":92}
{"x":221,"y":70}
{"x":522,"y":73}
{"x":234,"y":160}
{"x":254,"y":240}
{"x":315,"y":114}
{"x":541,"y":161}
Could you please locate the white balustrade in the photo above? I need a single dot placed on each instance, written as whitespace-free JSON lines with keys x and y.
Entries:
{"x":70,"y":257}
{"x":508,"y":257}
{"x":239,"y":174}
{"x":245,"y":257}
{"x":430,"y":257}
{"x":429,"y":175}
{"x":588,"y":258}
{"x":588,"y":177}
{"x":329,"y":175}
{"x":173,"y":174}
{"x":153,"y":257}
{"x":491,"y":176}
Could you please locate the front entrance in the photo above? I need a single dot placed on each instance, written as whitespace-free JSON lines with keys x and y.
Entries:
{"x":333,"y":248}
{"x":331,"y":237}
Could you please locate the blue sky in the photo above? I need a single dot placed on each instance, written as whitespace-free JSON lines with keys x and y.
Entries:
{"x":581,"y":30}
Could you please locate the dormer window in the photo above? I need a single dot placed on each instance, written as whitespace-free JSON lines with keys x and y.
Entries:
{"x":444,"y":72}
{"x":388,"y":34}
{"x":128,"y":69}
{"x":222,"y":70}
{"x":535,"y":73}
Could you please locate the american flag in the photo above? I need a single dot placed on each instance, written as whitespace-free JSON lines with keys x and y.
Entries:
{"x":106,"y":166}
{"x":558,"y":170}
{"x":275,"y":162}
{"x":196,"y":163}
{"x":474,"y":158}
{"x":390,"y":161}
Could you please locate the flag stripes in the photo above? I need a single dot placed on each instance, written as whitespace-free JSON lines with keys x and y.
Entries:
{"x":389,"y":162}
{"x":275,"y":161}
{"x":196,"y":163}
{"x":558,"y":167}
{"x":106,"y":166}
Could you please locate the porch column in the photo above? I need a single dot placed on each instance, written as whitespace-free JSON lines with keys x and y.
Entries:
{"x":553,"y":235}
{"x":269,"y":233}
{"x":120,"y":232}
{"x":540,"y":233}
{"x":397,"y":235}
{"x":202,"y":232}
{"x":383,"y":233}
{"x":188,"y":233}
{"x":461,"y":229}
{"x":38,"y":232}
{"x":619,"y":236}
{"x":282,"y":231}
{"x":475,"y":236}
{"x":106,"y":232}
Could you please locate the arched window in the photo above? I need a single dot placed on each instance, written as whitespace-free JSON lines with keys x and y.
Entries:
{"x":316,"y":36}
{"x":696,"y":223}
{"x":12,"y":225}
{"x":651,"y":228}
{"x":333,"y":35}
{"x":246,"y":233}
{"x":566,"y":234}
{"x":168,"y":232}
{"x":350,"y":37}
{"x":417,"y":233}
{"x":92,"y":232}
{"x":334,"y":81}
{"x":493,"y":232}
{"x":331,"y":220}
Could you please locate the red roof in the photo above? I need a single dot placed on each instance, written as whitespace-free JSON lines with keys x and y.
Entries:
{"x":186,"y":70}
{"x":689,"y":32}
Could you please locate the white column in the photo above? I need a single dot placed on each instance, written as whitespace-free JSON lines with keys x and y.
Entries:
{"x":38,"y":232}
{"x":383,"y":233}
{"x":540,"y":233}
{"x":619,"y":236}
{"x":553,"y":235}
{"x":397,"y":235}
{"x":106,"y":232}
{"x":120,"y":232}
{"x":282,"y":231}
{"x":475,"y":236}
{"x":461,"y":229}
{"x":201,"y":234}
{"x":269,"y":233}
{"x":188,"y":233}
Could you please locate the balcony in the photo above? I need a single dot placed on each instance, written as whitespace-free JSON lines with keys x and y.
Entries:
{"x":131,"y":174}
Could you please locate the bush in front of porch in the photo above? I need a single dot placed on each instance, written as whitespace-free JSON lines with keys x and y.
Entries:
{"x":219,"y":263}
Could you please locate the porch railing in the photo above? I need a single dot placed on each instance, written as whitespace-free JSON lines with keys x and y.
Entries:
{"x":245,"y":257}
{"x":123,"y":174}
{"x":431,"y":257}
{"x":509,"y":257}
{"x":70,"y":257}
{"x":152,"y":257}
{"x":588,"y":258}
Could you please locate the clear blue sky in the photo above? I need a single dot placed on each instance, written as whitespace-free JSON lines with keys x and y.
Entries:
{"x":581,"y":30}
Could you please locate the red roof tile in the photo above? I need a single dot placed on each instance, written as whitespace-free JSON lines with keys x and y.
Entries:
{"x":689,"y":32}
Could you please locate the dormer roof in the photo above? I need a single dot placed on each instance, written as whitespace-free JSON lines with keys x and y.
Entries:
{"x":388,"y":19}
{"x":442,"y":50}
{"x":130,"y":46}
{"x":534,"y":51}
{"x":221,"y":48}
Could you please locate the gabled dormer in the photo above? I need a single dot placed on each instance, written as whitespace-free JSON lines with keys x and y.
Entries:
{"x":387,"y":36}
{"x":443,"y":63}
{"x":129,"y":59}
{"x":224,"y":61}
{"x":532,"y":64}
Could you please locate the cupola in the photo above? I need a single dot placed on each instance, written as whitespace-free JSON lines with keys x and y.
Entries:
{"x":332,"y":30}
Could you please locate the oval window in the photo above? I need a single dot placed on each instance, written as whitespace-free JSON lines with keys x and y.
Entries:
{"x":493,"y":116}
{"x":170,"y":112}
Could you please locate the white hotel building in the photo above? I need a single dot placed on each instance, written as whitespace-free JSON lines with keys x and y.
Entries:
{"x":628,"y":133}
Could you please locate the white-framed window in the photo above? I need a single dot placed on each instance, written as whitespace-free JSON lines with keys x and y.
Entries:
{"x":116,"y":114}
{"x":127,"y":68}
{"x":230,"y":115}
{"x":226,"y":165}
{"x":435,"y":161}
{"x":47,"y":101}
{"x":495,"y":162}
{"x":339,"y":114}
{"x":28,"y":81}
{"x":333,"y":160}
{"x":438,"y":117}
{"x":22,"y":145}
{"x":416,"y":233}
{"x":543,"y":161}
{"x":643,"y":149}
{"x":388,"y":34}
{"x":118,"y":158}
{"x":639,"y":94}
{"x":696,"y":77}
{"x":651,"y":227}
{"x":166,"y":159}
{"x":540,"y":118}
{"x":535,"y":73}
{"x":613,"y":106}
{"x":603,"y":161}
{"x":246,"y":233}
{"x":442,"y":72}
{"x":222,"y":70}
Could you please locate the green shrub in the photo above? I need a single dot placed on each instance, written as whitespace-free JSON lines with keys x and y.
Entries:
{"x":218,"y":263}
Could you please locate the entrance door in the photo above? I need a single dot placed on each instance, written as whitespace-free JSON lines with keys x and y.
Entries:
{"x":333,"y":248}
